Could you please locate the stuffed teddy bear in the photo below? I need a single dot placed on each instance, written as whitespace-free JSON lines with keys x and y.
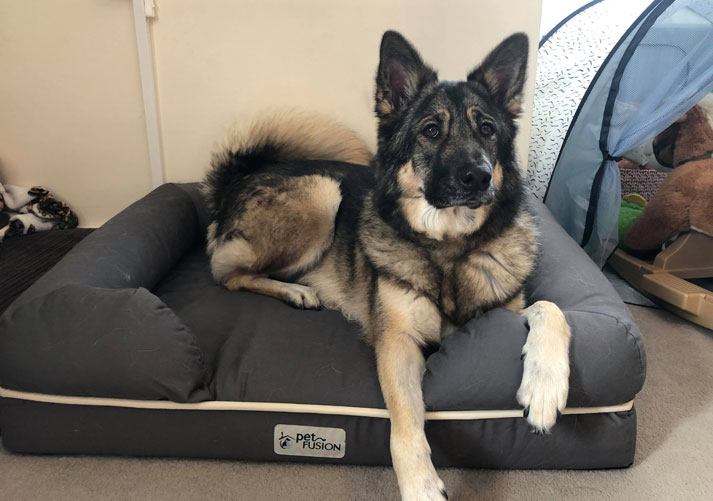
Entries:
{"x":684,"y":200}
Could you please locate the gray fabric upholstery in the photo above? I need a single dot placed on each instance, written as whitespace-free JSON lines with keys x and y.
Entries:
{"x":85,"y":341}
{"x":576,"y":442}
{"x":132,"y":312}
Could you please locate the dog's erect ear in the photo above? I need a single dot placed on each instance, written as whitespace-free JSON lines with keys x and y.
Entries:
{"x":401,"y":74}
{"x":503,"y":72}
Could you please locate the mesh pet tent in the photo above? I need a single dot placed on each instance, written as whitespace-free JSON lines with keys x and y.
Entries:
{"x":610,"y":77}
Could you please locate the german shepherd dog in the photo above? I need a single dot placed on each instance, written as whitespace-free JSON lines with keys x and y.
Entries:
{"x":433,"y":233}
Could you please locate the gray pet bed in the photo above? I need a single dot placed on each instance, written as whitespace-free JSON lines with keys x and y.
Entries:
{"x":127,"y":346}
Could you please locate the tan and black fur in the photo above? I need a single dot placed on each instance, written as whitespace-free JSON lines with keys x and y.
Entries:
{"x":431,"y":234}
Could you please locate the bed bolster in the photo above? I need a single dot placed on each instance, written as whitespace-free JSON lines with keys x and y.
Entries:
{"x":136,"y":248}
{"x":87,"y":341}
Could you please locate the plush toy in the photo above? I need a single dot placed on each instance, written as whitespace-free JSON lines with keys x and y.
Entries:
{"x":632,"y":205}
{"x":684,"y":200}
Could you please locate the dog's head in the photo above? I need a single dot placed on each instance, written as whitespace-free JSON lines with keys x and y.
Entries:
{"x":447,"y":146}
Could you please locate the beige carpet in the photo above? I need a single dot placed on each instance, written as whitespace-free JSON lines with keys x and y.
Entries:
{"x":674,"y":458}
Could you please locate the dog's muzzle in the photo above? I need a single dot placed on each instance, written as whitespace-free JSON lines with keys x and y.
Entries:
{"x":470,"y":184}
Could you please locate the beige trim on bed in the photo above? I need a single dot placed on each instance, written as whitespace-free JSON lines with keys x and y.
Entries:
{"x":221,"y":405}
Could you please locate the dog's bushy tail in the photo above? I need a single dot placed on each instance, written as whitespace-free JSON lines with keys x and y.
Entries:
{"x":277,"y":138}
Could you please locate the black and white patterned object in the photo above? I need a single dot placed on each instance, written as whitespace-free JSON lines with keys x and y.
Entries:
{"x":566,"y":65}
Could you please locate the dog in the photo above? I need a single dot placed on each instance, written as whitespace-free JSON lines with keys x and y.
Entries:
{"x":434,"y":232}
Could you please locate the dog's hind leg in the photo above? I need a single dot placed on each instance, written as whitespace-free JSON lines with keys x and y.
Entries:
{"x":404,"y":322}
{"x":299,"y":296}
{"x":283,"y":229}
{"x":545,"y":378}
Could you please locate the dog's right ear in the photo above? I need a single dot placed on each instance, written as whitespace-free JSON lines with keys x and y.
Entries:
{"x":401,"y":74}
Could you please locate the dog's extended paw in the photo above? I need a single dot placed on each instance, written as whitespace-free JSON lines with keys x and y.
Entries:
{"x":543,"y":390}
{"x":302,"y":297}
{"x":430,"y":488}
{"x":418,"y":480}
{"x":545,"y":377}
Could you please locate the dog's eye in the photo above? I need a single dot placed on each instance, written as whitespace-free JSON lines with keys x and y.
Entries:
{"x":486,"y":129}
{"x":431,"y":130}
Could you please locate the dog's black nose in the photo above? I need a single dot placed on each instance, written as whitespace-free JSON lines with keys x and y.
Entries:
{"x":475,"y":176}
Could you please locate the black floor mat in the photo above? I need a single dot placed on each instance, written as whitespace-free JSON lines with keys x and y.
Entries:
{"x":25,"y":258}
{"x":627,"y":293}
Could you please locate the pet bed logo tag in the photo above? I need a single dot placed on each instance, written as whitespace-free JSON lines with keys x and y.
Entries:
{"x":285,"y":441}
{"x":292,"y":440}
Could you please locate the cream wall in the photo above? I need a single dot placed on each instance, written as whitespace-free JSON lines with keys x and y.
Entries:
{"x":71,"y":111}
{"x":228,"y":60}
{"x":71,"y":116}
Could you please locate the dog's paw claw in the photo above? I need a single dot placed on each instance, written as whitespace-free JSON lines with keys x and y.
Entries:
{"x":539,"y":432}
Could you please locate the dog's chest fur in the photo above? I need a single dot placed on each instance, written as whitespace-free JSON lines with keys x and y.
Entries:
{"x":462,"y":276}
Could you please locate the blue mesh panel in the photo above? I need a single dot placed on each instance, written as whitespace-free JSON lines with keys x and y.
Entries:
{"x":668,"y":73}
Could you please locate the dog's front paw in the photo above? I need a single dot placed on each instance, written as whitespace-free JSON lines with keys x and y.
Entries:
{"x":544,"y":388}
{"x":428,"y":488}
{"x":545,"y":377}
{"x":418,"y":480}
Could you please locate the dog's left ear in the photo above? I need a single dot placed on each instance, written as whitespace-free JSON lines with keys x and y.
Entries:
{"x":503,"y":72}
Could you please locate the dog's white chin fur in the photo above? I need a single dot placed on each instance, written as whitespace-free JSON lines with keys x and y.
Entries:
{"x":439,"y":224}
